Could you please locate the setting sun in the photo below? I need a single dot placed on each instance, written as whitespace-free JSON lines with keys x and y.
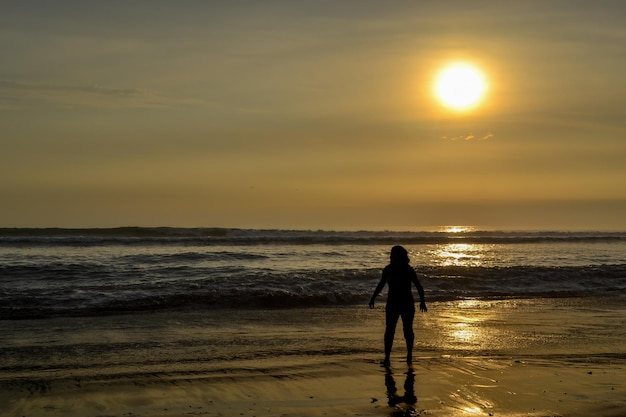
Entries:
{"x":460,"y":86}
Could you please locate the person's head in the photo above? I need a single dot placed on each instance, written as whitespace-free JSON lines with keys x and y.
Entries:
{"x":399,"y":255}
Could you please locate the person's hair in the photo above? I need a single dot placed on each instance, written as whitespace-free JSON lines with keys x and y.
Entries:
{"x":399,"y":255}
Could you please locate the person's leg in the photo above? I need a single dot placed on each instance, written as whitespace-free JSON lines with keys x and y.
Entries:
{"x":409,"y":335}
{"x":390,"y":331}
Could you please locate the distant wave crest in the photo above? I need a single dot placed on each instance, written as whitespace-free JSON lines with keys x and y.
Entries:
{"x":225,"y":236}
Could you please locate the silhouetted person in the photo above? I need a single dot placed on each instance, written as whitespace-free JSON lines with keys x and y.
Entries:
{"x":399,"y":275}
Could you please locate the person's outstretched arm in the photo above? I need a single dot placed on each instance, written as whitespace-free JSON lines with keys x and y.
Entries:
{"x":420,"y":290}
{"x":379,"y":288}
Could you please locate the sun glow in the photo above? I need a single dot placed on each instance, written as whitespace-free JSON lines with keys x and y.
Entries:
{"x":457,"y":229}
{"x":460,"y":86}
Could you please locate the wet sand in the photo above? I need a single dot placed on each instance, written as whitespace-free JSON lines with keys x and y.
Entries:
{"x":473,"y":358}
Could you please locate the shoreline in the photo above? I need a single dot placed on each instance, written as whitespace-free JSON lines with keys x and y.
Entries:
{"x":512,"y":358}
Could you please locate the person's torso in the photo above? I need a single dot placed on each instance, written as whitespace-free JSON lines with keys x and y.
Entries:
{"x":399,"y":280}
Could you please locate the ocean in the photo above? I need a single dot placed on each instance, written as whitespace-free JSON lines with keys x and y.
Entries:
{"x":169,"y":322}
{"x":46,"y":273}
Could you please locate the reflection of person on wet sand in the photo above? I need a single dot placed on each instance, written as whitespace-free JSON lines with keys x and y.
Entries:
{"x":393,"y":398}
{"x":400,"y":303}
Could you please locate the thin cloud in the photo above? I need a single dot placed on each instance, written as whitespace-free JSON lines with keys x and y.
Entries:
{"x":24,"y":95}
{"x":64,"y":88}
{"x":469,"y":137}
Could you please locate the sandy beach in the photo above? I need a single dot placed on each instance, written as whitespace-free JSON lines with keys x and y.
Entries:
{"x":550,"y":357}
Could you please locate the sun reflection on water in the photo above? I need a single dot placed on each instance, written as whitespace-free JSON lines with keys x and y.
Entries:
{"x":459,"y":254}
{"x":464,"y":333}
{"x":457,"y":229}
{"x":465,"y":327}
{"x":473,"y":410}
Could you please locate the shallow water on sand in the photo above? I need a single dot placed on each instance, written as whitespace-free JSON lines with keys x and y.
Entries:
{"x":508,"y":357}
{"x":572,"y":329}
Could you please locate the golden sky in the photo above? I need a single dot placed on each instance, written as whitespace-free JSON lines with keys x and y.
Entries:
{"x":311,"y":114}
